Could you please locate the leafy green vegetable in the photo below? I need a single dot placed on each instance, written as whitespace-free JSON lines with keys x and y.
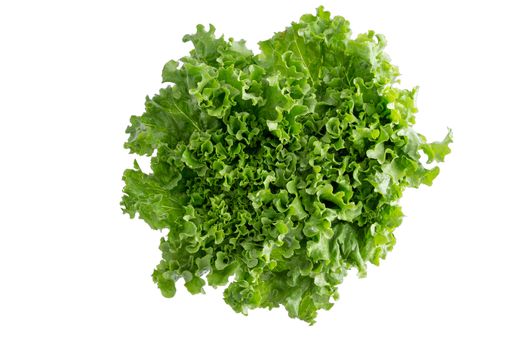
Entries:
{"x":274,"y":174}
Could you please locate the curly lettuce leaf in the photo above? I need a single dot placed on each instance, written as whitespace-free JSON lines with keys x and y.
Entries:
{"x":274,"y":174}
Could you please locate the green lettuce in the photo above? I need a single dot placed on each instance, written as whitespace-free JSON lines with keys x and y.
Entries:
{"x":273,"y":174}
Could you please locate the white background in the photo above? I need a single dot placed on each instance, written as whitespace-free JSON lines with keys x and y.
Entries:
{"x":75,"y":272}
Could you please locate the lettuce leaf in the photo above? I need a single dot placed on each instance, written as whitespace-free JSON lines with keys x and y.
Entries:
{"x":274,"y":174}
